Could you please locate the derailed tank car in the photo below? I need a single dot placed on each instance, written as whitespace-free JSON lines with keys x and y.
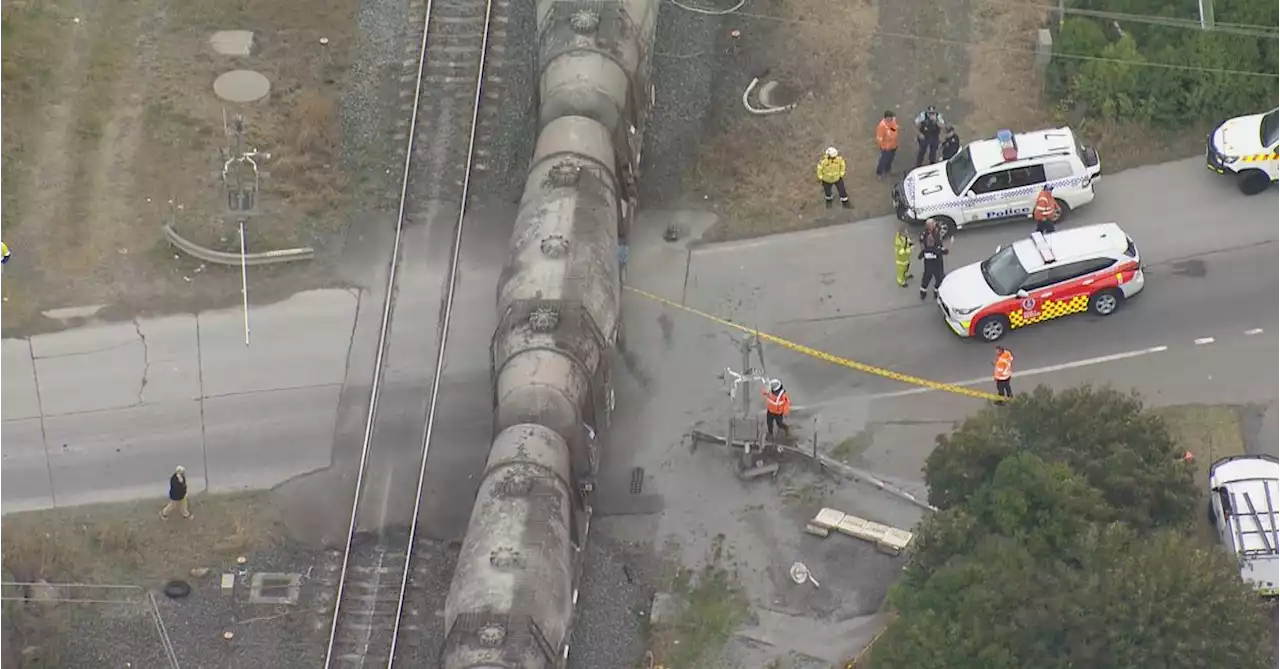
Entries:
{"x":510,"y":604}
{"x":511,"y":601}
{"x":559,"y":292}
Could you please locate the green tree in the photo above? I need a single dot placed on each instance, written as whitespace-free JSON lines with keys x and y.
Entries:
{"x":1062,"y":542}
{"x":1102,"y":435}
{"x":1132,"y":601}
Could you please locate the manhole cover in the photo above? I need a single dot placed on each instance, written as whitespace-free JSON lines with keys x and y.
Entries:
{"x":241,"y":86}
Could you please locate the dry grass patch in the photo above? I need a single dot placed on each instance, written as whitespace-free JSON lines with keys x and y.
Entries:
{"x":1004,"y":88}
{"x":110,"y":114}
{"x":127,"y":543}
{"x":762,"y":167}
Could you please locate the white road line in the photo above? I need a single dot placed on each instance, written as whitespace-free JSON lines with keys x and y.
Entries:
{"x":1037,"y":371}
{"x":1017,"y":374}
{"x":1204,"y":340}
{"x":1255,"y":331}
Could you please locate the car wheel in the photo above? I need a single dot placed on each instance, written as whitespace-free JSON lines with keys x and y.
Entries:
{"x":1254,"y":182}
{"x":992,"y":328}
{"x":946,"y":226}
{"x":1105,"y":302}
{"x":1064,"y":210}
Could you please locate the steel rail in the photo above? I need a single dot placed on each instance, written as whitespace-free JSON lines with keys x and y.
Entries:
{"x":444,"y":323}
{"x":382,"y":340}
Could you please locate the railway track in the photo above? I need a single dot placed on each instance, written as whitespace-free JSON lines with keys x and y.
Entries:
{"x":447,"y":129}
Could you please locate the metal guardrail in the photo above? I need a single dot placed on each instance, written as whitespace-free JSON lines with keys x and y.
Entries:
{"x":223,"y":258}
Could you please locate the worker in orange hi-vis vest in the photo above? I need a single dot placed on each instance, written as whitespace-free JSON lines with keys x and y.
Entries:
{"x":777,"y":404}
{"x":1046,"y":211}
{"x":1003,"y":372}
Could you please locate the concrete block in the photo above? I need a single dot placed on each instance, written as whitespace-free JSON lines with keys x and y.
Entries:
{"x":1044,"y":48}
{"x":228,"y":583}
{"x":828,"y":518}
{"x":817,"y":531}
{"x":267,"y":588}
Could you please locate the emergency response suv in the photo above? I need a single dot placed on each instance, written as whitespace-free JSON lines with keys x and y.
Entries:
{"x":1244,"y":491}
{"x":1091,"y":268}
{"x":1247,"y":147}
{"x":998,"y":179}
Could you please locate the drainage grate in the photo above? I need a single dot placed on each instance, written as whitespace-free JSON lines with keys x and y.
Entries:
{"x":637,"y":480}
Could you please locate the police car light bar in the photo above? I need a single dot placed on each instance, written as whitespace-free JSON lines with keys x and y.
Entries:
{"x":1008,"y":146}
{"x":1042,"y":245}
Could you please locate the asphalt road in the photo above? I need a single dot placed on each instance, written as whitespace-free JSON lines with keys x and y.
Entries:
{"x":1210,"y":254}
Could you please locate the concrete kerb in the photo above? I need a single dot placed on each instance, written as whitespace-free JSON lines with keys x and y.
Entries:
{"x":223,"y":258}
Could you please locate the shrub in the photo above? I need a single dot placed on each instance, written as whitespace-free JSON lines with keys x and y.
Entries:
{"x":1124,"y":85}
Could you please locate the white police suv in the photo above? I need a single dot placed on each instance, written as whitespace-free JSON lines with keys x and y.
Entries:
{"x":998,"y":179}
{"x":1247,"y":147}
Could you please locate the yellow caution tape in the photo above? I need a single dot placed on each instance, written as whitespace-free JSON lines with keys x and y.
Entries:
{"x":821,"y":355}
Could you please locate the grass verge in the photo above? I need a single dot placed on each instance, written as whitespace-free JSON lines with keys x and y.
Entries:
{"x":763,"y":166}
{"x":128,"y":544}
{"x":760,"y":169}
{"x":1209,"y":432}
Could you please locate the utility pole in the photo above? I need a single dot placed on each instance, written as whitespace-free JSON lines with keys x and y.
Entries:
{"x":1206,"y":14}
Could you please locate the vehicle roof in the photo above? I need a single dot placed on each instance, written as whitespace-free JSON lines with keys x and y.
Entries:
{"x":1239,"y":467}
{"x":985,"y":153}
{"x":1102,"y":240}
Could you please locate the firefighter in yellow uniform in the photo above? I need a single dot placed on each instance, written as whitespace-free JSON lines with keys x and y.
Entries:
{"x":4,"y":253}
{"x":831,"y":175}
{"x":902,"y":256}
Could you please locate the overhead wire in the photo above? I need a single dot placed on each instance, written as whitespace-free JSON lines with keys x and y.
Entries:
{"x":1259,"y":32}
{"x":1000,"y":49}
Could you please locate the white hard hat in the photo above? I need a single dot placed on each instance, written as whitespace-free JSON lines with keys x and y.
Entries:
{"x":831,"y":151}
{"x":179,"y":469}
{"x":775,"y":385}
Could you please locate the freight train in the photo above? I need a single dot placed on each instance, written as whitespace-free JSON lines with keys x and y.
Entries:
{"x":511,"y":602}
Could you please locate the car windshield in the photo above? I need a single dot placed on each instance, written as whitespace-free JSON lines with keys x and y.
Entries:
{"x":1270,"y":123}
{"x":960,"y":170}
{"x":1004,"y":272}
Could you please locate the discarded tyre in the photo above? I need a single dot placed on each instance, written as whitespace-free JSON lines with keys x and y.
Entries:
{"x":177,"y":589}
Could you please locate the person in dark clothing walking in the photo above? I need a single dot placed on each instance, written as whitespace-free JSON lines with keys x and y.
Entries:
{"x":931,"y":252}
{"x":929,"y":126}
{"x":950,"y":143}
{"x":177,"y":494}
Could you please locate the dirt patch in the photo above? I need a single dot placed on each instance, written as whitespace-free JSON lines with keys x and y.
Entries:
{"x":973,"y":59}
{"x":111,"y":116}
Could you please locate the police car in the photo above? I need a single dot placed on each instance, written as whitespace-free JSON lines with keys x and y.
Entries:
{"x":998,"y":179}
{"x":1246,"y":147}
{"x":1091,"y":268}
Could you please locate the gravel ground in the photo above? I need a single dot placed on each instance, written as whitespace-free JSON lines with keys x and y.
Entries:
{"x":265,"y":635}
{"x":368,"y":111}
{"x":614,"y":597}
{"x":510,"y":150}
{"x":687,"y":60}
